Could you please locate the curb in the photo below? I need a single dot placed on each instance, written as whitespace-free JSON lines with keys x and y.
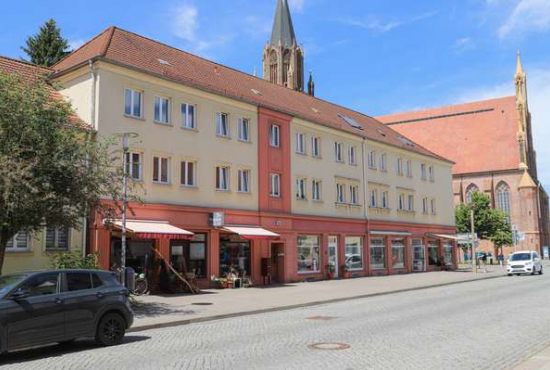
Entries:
{"x":295,"y":306}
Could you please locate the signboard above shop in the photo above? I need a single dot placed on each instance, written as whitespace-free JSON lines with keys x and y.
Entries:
{"x":217,"y":219}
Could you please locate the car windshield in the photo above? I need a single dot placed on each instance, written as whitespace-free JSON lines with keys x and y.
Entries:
{"x":520,"y":257}
{"x":8,"y":281}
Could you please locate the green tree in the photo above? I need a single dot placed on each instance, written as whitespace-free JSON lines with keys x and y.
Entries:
{"x":489,"y":223}
{"x":52,"y":171}
{"x":47,"y":47}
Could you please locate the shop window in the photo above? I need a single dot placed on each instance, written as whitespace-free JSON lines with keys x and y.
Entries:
{"x":234,"y":256}
{"x":433,"y":253}
{"x":354,"y":253}
{"x":189,"y":256}
{"x":448,"y":253}
{"x":308,"y":253}
{"x":377,"y":253}
{"x":398,"y":253}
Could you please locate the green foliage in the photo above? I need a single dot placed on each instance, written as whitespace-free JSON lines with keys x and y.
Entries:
{"x":47,"y":47}
{"x":489,"y":223}
{"x":52,"y":172}
{"x":75,"y":260}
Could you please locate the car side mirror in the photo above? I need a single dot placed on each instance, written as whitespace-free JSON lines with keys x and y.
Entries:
{"x":19,"y":294}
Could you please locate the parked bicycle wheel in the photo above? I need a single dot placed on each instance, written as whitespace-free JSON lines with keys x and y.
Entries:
{"x":142,"y":287}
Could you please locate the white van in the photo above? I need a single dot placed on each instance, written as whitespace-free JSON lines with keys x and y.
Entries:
{"x":525,"y":262}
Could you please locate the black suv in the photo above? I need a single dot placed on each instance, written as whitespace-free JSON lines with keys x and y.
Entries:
{"x":39,"y":308}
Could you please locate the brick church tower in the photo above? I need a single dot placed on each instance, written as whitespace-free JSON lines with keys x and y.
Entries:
{"x":283,"y":60}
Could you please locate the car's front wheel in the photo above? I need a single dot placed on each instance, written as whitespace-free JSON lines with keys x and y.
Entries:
{"x":540,"y":272}
{"x":110,"y":330}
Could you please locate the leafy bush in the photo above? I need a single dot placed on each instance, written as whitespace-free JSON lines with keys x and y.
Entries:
{"x":75,"y":260}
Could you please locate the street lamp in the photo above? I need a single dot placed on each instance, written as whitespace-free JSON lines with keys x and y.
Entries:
{"x":473,"y":237}
{"x":125,"y":169}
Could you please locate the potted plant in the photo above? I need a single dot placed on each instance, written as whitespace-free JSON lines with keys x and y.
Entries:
{"x":331,"y":270}
{"x":347,"y":270}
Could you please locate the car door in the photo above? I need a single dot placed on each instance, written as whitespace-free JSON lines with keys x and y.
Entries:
{"x":82,"y":301}
{"x":37,"y":318}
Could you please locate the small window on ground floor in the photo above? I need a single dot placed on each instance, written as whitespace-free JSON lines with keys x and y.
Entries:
{"x":189,"y":256}
{"x":309,"y":253}
{"x":354,"y":253}
{"x":448,"y":253}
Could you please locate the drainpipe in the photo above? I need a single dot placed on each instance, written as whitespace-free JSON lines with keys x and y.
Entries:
{"x":93,"y":96}
{"x":365,"y":190}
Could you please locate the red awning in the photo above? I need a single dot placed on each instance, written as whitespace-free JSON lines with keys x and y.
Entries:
{"x":153,"y":229}
{"x":250,"y":232}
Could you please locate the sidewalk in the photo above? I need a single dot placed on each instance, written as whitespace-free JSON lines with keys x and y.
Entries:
{"x":541,"y":361}
{"x":164,"y":311}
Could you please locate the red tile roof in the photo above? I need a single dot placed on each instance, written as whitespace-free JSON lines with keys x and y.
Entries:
{"x":146,"y":55}
{"x":479,"y":136}
{"x":30,"y":73}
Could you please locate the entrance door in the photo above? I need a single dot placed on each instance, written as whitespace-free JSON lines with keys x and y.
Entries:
{"x":333,"y":253}
{"x":277,"y":262}
{"x":418,"y":250}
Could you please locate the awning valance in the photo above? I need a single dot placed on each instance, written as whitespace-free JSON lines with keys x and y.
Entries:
{"x":446,"y":236}
{"x":250,"y":232}
{"x":144,"y":229}
{"x":390,"y":232}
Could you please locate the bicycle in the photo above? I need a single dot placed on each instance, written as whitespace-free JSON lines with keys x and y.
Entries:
{"x":141,"y":285}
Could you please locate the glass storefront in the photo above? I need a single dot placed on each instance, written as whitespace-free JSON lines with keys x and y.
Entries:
{"x":139,"y":254}
{"x":433,"y":253}
{"x":354,"y":253}
{"x":418,"y":254}
{"x":398,"y":253}
{"x":189,"y":255}
{"x":234,"y":256}
{"x":309,"y":252}
{"x":448,"y":253}
{"x":377,"y":253}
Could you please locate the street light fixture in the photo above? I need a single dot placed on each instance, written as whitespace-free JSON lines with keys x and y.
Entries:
{"x":473,"y":237}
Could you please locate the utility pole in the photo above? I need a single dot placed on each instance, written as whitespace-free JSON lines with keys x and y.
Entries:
{"x":473,"y":237}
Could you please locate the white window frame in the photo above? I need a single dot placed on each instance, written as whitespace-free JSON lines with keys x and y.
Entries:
{"x":133,"y":93}
{"x":316,"y":146}
{"x":385,"y":200}
{"x":301,"y":192}
{"x":275,"y":185}
{"x":373,"y":198}
{"x":352,"y":154}
{"x":129,"y":165}
{"x":431,"y":173}
{"x":186,"y":122}
{"x":223,"y":178}
{"x":300,"y":143}
{"x":401,"y":202}
{"x":354,"y":194}
{"x":408,"y":168}
{"x":383,"y":162}
{"x":316,"y":190}
{"x":15,"y":248}
{"x":410,"y":203}
{"x":274,"y":135}
{"x":222,"y":124}
{"x":243,"y":128}
{"x":425,"y":205}
{"x":423,"y":172}
{"x":340,"y":193}
{"x":159,"y":169}
{"x":371,"y":159}
{"x":184,"y":180}
{"x":338,"y":148}
{"x":400,"y":166}
{"x":243,"y":185}
{"x":162,"y":114}
{"x":56,"y":247}
{"x":433,"y":206}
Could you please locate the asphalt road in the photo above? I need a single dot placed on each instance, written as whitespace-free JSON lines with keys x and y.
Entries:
{"x":491,"y":324}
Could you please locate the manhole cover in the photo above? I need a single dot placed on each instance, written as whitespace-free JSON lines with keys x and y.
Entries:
{"x":202,"y":304}
{"x":321,"y":318}
{"x":329,"y":346}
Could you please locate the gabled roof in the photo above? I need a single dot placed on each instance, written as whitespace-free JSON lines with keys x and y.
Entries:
{"x":479,"y":136}
{"x":133,"y":51}
{"x":30,"y":73}
{"x":283,"y":30}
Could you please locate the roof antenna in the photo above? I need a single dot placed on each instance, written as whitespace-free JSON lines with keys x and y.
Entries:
{"x":255,"y":71}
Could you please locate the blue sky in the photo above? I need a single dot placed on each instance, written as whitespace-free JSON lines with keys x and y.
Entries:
{"x":376,"y":56}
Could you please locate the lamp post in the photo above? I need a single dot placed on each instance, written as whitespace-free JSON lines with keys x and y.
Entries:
{"x":473,"y":237}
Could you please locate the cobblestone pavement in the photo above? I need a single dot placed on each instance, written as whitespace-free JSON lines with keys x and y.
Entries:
{"x":491,"y":324}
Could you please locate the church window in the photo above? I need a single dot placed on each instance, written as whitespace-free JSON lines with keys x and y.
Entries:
{"x":273,"y":77}
{"x":503,"y":199}
{"x":469,"y":191}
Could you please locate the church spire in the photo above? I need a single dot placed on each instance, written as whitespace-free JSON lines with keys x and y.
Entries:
{"x":283,"y":30}
{"x":283,"y":61}
{"x":519,"y":66}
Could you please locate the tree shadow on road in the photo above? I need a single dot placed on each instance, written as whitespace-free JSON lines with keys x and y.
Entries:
{"x":154,"y":309}
{"x":58,"y":350}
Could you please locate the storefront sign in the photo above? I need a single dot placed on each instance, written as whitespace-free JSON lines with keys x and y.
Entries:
{"x":217,"y":219}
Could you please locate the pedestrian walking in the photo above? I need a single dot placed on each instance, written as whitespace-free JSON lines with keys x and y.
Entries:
{"x":501,"y":260}
{"x":484,"y":262}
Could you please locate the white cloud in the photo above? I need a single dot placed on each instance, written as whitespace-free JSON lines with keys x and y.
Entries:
{"x":527,"y":15}
{"x":297,"y":5}
{"x":463,"y":44}
{"x":75,"y":44}
{"x":377,"y":24}
{"x":539,"y":95}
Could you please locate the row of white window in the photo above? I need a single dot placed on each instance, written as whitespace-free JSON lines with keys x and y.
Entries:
{"x":405,"y":202}
{"x":57,"y":239}
{"x":316,"y":148}
{"x":376,"y":161}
